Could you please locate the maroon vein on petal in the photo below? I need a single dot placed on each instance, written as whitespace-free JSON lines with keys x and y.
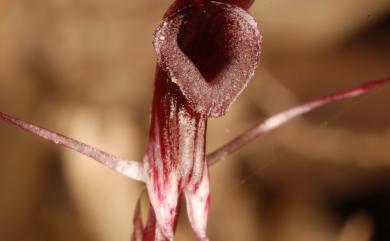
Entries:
{"x":175,"y":155}
{"x":131,"y":169}
{"x":138,"y":228}
{"x":283,"y":117}
{"x":150,"y":231}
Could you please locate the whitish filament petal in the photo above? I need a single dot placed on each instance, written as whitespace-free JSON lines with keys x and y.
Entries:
{"x":283,"y":117}
{"x":131,"y":169}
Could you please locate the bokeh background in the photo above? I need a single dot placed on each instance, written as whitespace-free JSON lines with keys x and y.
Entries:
{"x":85,"y":68}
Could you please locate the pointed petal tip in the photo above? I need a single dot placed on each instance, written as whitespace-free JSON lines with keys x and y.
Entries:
{"x":131,"y":169}
{"x":287,"y":115}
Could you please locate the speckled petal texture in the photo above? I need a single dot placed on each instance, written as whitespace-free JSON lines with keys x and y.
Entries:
{"x":210,"y":51}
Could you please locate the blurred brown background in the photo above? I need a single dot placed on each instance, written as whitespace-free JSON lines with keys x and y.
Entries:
{"x":85,"y":68}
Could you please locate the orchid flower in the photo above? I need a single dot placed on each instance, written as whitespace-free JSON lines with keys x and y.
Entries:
{"x":206,"y":51}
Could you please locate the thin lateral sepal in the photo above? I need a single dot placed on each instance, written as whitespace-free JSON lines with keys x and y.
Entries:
{"x":285,"y":116}
{"x":131,"y":169}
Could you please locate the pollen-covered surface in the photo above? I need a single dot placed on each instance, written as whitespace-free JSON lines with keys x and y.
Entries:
{"x":211,"y":51}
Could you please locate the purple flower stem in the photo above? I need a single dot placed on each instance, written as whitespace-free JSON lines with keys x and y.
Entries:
{"x":283,"y":117}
